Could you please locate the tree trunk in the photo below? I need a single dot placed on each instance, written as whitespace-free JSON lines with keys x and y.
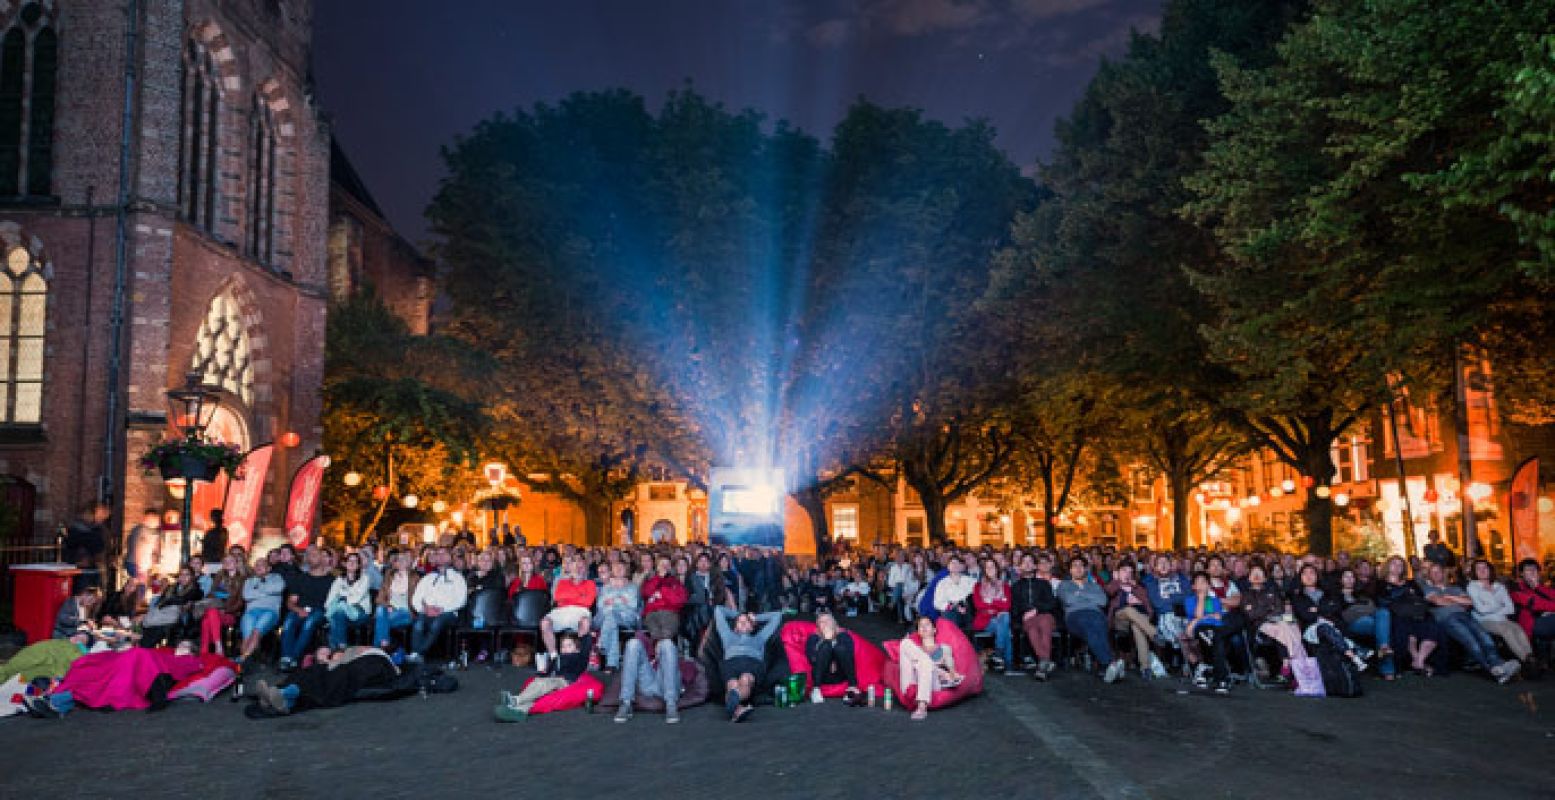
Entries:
{"x":934,"y":511}
{"x":1320,"y":525}
{"x":596,"y":520}
{"x":1049,"y":516}
{"x":815,"y":507}
{"x":1179,"y":487}
{"x":1319,"y":511}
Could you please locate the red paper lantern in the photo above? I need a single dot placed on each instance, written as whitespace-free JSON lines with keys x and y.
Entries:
{"x":290,"y":439}
{"x":1307,"y":481}
{"x":1431,"y":495}
{"x":380,"y":492}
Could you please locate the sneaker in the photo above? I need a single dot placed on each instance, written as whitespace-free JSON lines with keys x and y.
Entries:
{"x":270,"y":697}
{"x":1509,"y":669}
{"x":1201,"y":680}
{"x":732,"y":703}
{"x":508,"y":713}
{"x":624,"y":713}
{"x":1360,"y":663}
{"x":815,"y":695}
{"x":1157,"y":669}
{"x":284,"y":665}
{"x":1221,"y":687}
{"x":1047,"y":668}
{"x":1039,"y":674}
{"x":671,"y":715}
{"x":1114,"y":671}
{"x":507,"y":698}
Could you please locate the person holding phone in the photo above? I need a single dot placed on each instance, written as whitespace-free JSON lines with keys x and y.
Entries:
{"x":927,"y":665}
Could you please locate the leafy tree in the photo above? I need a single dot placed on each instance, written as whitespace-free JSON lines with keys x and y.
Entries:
{"x":1341,"y":271}
{"x":397,"y":408}
{"x":914,"y":212}
{"x":1100,"y":267}
{"x":631,"y":271}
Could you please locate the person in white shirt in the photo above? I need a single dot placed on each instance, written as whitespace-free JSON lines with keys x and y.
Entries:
{"x":350,"y":601}
{"x":1493,"y":609}
{"x":952,"y":593}
{"x":896,"y":579}
{"x":439,"y":597}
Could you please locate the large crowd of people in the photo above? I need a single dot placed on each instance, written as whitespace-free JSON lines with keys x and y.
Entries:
{"x":1216,"y":619}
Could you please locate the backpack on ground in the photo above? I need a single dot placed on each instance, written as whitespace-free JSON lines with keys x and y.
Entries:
{"x":1340,"y":677}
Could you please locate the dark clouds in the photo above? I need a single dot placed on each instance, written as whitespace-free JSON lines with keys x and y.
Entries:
{"x":399,"y":78}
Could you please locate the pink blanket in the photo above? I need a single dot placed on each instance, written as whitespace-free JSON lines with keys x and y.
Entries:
{"x":120,"y":680}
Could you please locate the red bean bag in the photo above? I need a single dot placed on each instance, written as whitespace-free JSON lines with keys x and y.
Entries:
{"x":570,"y":697}
{"x":967,"y":664}
{"x":868,"y":659}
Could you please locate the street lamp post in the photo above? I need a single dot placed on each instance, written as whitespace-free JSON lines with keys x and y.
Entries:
{"x":192,"y":407}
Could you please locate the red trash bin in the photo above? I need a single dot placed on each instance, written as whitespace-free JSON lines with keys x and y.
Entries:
{"x":40,"y":590}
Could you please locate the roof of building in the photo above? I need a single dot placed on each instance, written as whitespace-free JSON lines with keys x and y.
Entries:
{"x":344,"y":175}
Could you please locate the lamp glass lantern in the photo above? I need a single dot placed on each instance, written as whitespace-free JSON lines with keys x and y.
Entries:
{"x":193,"y":406}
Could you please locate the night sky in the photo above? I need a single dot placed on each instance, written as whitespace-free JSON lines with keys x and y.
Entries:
{"x":398,"y":79}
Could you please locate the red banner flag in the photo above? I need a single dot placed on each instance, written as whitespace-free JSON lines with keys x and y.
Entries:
{"x":241,"y":506}
{"x":1525,"y":511}
{"x":302,"y":505}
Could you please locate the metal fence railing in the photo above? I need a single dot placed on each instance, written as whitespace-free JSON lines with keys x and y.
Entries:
{"x":19,"y":554}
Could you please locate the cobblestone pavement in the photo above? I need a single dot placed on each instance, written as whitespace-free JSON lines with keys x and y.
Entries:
{"x":1458,"y":737}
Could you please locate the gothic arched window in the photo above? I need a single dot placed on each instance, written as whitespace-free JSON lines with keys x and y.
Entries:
{"x":221,"y":354}
{"x":261,"y":185}
{"x":24,"y":293}
{"x":29,"y":56}
{"x":200,"y":146}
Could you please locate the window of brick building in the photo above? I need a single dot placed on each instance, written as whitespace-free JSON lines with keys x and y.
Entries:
{"x":29,"y":55}
{"x":844,"y":522}
{"x":261,"y":184}
{"x":23,"y":314}
{"x":221,"y":354}
{"x":199,"y":147}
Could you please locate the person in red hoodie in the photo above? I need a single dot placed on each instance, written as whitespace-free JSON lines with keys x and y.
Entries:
{"x":572,"y":604}
{"x":664,"y":595}
{"x":991,"y":611}
{"x":1535,"y":602}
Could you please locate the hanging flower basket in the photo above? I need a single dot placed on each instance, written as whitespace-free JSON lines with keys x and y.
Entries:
{"x":195,"y":460}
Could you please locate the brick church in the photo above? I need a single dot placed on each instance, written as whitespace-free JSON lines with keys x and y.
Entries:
{"x":167,"y":206}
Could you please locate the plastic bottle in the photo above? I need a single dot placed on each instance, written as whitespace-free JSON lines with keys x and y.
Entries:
{"x":871,"y":696}
{"x":588,"y":701}
{"x":888,"y":698}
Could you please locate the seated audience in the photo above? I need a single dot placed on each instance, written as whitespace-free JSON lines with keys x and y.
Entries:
{"x":927,"y":665}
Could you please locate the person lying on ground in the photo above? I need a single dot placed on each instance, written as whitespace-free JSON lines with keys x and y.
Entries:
{"x":744,"y":647}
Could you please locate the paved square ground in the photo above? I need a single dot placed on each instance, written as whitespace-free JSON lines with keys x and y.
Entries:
{"x":1459,"y":737}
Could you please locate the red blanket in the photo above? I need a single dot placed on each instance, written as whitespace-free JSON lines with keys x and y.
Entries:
{"x":120,"y":680}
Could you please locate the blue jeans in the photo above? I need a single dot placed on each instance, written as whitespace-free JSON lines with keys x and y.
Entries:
{"x":341,"y":618}
{"x":1462,"y":628}
{"x":999,"y":626}
{"x":610,"y":624}
{"x":389,"y":619}
{"x":258,"y":620}
{"x":1091,"y":625}
{"x":298,"y":632}
{"x":425,"y":631}
{"x":1379,"y":627}
{"x":638,"y":675}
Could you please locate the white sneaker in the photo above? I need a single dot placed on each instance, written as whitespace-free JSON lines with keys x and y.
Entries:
{"x":1114,"y":671}
{"x":1508,"y":670}
{"x":815,"y":695}
{"x":1157,"y":668}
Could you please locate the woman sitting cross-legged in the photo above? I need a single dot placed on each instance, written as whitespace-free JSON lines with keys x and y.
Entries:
{"x":927,"y":665}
